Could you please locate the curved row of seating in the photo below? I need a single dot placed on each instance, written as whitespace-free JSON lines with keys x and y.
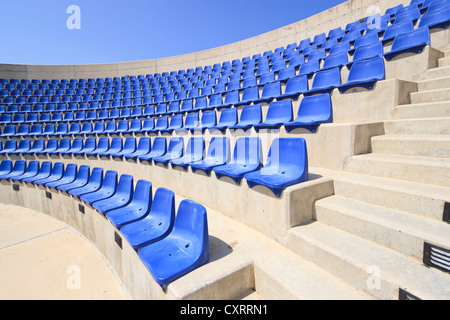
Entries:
{"x":313,"y":111}
{"x":286,"y":164}
{"x":170,"y":245}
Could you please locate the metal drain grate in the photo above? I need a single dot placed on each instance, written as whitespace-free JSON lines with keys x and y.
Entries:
{"x":434,"y":256}
{"x":446,"y":216}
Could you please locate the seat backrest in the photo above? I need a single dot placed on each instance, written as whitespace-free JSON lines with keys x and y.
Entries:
{"x":219,"y":149}
{"x":368,"y":51}
{"x":316,"y":107}
{"x":6,"y":166}
{"x":251,"y":114}
{"x":163,"y":205}
{"x":103,"y":144}
{"x":160,"y":144}
{"x":142,"y":195}
{"x":228,"y":117}
{"x":209,"y":118}
{"x":372,"y":68}
{"x":280,"y":111}
{"x":248,"y":150}
{"x":327,"y":78}
{"x":192,"y":119}
{"x":130,"y":144}
{"x":176,"y":146}
{"x":287,"y":154}
{"x":162,"y":123}
{"x":110,"y":180}
{"x":271,"y":89}
{"x":195,"y":146}
{"x":125,"y":185}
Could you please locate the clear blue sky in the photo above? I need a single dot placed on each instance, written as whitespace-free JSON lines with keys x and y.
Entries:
{"x":35,"y":32}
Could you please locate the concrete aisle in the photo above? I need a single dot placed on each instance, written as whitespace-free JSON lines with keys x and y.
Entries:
{"x":44,"y":259}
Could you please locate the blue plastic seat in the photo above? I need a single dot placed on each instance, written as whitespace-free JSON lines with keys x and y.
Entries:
{"x":209,"y":120}
{"x":286,"y":165}
{"x":137,"y":209}
{"x":194,"y":152}
{"x":32,"y":169}
{"x":106,"y":190}
{"x":278,"y":113}
{"x":143,"y":148}
{"x":6,"y":167}
{"x":338,"y":60}
{"x":247,"y":157}
{"x":77,"y":146}
{"x":396,"y":29}
{"x":185,"y":248}
{"x":101,"y":147}
{"x":152,"y":223}
{"x":192,"y":121}
{"x":56,"y":174}
{"x":231,"y":98}
{"x":251,"y":115}
{"x":89,"y":145}
{"x":175,"y":150}
{"x":414,"y":41}
{"x":147,"y":126}
{"x":228,"y":117}
{"x":325,"y":81}
{"x":63,"y":147}
{"x":313,"y":111}
{"x":294,"y":88}
{"x":218,"y":154}
{"x":129,"y":146}
{"x":364,"y":40}
{"x":121,"y":197}
{"x":270,"y":92}
{"x":115,"y":147}
{"x":410,"y":13}
{"x":69,"y":176}
{"x":158,"y":149}
{"x":19,"y":168}
{"x":94,"y":183}
{"x":50,"y":147}
{"x":44,"y":172}
{"x":176,"y":123}
{"x":365,"y":74}
{"x":367,"y":52}
{"x":436,"y":18}
{"x":82,"y":178}
{"x":24,"y":146}
{"x":162,"y":123}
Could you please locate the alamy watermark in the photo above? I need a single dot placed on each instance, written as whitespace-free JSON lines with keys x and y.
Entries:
{"x":73,"y":22}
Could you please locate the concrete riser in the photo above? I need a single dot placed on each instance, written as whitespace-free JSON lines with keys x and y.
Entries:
{"x":434,"y":84}
{"x":430,"y":96}
{"x":418,"y":126}
{"x":437,"y":173}
{"x":437,"y":73}
{"x":423,"y":110}
{"x":443,"y":62}
{"x":432,"y":146}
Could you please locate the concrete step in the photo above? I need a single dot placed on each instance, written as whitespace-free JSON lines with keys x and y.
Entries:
{"x":430,"y":96}
{"x":420,"y":199}
{"x":433,"y":84}
{"x":391,"y":228}
{"x":367,"y":266}
{"x":423,"y":110}
{"x":434,"y":73}
{"x":429,"y":170}
{"x":444,"y":62}
{"x":431,"y":126}
{"x":409,"y":144}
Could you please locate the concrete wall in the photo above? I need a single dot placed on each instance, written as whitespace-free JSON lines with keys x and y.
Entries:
{"x":338,"y":16}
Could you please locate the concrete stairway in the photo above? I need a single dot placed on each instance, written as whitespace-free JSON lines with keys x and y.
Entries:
{"x":388,"y":203}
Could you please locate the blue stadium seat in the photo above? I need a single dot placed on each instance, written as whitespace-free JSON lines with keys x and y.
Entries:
{"x":153,"y":223}
{"x":183,"y":250}
{"x":438,"y":18}
{"x":44,"y":172}
{"x":365,"y":74}
{"x":278,"y":113}
{"x":69,"y":176}
{"x":63,"y":147}
{"x":9,"y":131}
{"x":81,"y":179}
{"x":50,"y":147}
{"x":121,"y":197}
{"x":129,"y":146}
{"x":309,"y":68}
{"x":339,"y":60}
{"x":250,"y":116}
{"x":106,"y":190}
{"x":194,"y":152}
{"x":77,"y":146}
{"x":364,"y":40}
{"x":228,"y":117}
{"x":270,"y":92}
{"x":286,"y":165}
{"x":103,"y":145}
{"x":162,"y":123}
{"x":90,"y":144}
{"x":19,"y":167}
{"x":313,"y":111}
{"x":231,"y":98}
{"x":208,"y":120}
{"x":6,"y":167}
{"x":143,"y":148}
{"x":94,"y":183}
{"x":31,"y":171}
{"x":147,"y":126}
{"x":137,"y":209}
{"x":115,"y":147}
{"x":410,"y":13}
{"x":217,"y":155}
{"x":23,"y":146}
{"x":175,"y":150}
{"x":367,"y":52}
{"x":158,"y":149}
{"x":247,"y":157}
{"x":192,"y":121}
{"x":414,"y":41}
{"x":325,"y":81}
{"x":55,"y":175}
{"x":396,"y":29}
